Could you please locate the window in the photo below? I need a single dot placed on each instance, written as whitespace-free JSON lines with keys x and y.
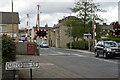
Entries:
{"x":3,"y":28}
{"x":110,"y":44}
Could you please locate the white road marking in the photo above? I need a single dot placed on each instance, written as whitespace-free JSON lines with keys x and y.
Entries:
{"x":97,"y":59}
{"x":107,"y":60}
{"x":80,"y":55}
{"x":60,"y":53}
{"x":46,"y":64}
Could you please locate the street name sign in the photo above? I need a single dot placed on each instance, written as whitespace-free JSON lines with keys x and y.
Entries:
{"x":21,"y":65}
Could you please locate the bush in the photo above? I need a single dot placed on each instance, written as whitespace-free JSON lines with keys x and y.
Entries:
{"x":8,"y":49}
{"x":83,"y":45}
{"x":112,"y":39}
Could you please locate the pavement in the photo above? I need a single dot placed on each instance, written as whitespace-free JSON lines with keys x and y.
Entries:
{"x":0,"y":71}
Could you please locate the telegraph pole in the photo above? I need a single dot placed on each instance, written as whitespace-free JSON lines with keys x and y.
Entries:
{"x":12,"y":22}
{"x":12,"y":5}
{"x":38,"y":17}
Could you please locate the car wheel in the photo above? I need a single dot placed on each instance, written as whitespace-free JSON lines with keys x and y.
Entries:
{"x":105,"y":55}
{"x":96,"y":54}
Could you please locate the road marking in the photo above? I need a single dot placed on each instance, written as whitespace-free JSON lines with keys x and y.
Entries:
{"x":46,"y":64}
{"x":98,"y":59}
{"x":80,"y":55}
{"x":43,"y":54}
{"x":60,"y":53}
{"x":107,"y":60}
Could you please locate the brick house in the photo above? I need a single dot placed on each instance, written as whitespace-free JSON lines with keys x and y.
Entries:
{"x":9,"y":24}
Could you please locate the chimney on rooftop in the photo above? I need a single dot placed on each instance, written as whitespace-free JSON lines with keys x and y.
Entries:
{"x":104,"y":24}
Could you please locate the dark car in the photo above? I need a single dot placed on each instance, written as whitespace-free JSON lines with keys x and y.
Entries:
{"x":107,"y":49}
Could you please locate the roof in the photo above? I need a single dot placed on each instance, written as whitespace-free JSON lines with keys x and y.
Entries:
{"x":61,"y":22}
{"x":6,"y":18}
{"x":22,"y":31}
{"x":105,"y":26}
{"x":44,"y":27}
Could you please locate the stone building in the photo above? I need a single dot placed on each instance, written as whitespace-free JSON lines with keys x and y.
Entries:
{"x":57,"y":35}
{"x":9,"y":24}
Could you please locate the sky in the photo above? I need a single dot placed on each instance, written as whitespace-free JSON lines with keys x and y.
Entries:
{"x":53,"y":10}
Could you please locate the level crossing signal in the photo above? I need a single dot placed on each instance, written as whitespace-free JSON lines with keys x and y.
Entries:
{"x":41,"y":33}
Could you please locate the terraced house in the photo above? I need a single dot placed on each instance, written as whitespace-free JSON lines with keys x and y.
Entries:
{"x":9,"y":24}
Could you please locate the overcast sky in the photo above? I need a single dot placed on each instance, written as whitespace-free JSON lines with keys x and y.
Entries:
{"x":53,"y":10}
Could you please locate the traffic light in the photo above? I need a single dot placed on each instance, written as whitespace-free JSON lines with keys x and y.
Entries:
{"x":41,"y":33}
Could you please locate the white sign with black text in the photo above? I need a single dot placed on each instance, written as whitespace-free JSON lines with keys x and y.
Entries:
{"x":21,"y":65}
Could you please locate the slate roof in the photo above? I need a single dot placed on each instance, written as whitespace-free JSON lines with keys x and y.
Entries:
{"x":105,"y":26}
{"x":6,"y":18}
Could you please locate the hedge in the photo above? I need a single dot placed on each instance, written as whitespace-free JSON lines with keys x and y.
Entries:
{"x":112,"y":39}
{"x":8,"y":49}
{"x":83,"y":45}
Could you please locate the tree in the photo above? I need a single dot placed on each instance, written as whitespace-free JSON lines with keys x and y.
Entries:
{"x":84,"y":12}
{"x":73,"y":23}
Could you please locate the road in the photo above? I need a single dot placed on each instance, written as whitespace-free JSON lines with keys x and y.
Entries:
{"x":62,"y":63}
{"x":81,"y":64}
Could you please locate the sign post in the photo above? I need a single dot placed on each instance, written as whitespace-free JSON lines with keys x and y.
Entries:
{"x":30,"y":72}
{"x":14,"y":74}
{"x":21,"y":65}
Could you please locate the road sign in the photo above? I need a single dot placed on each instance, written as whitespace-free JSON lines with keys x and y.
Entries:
{"x":21,"y":65}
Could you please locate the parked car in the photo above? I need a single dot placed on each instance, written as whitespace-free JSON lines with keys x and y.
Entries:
{"x":107,"y":49}
{"x":44,"y":44}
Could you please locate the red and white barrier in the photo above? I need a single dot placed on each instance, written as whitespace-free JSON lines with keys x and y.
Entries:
{"x":94,"y":31}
